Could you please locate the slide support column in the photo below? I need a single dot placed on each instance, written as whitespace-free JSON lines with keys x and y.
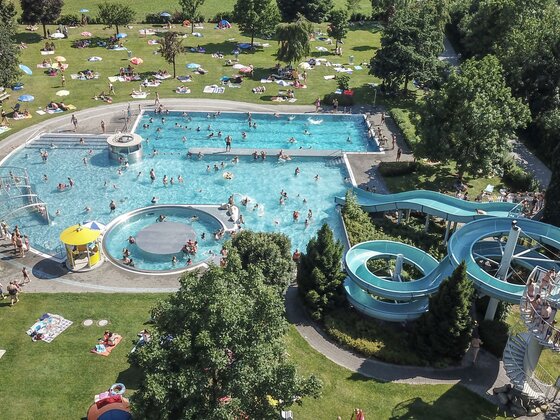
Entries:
{"x":509,"y":249}
{"x":399,"y":217}
{"x":398,"y":267}
{"x":491,"y":309}
{"x":446,"y":236}
{"x":408,"y":215}
{"x":427,"y":225}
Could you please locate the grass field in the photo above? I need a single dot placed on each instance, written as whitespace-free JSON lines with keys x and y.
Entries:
{"x":209,"y":9}
{"x":59,"y":380}
{"x":362,"y":43}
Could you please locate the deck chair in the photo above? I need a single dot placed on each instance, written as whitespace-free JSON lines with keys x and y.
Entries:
{"x":287,"y":415}
{"x":16,"y":107}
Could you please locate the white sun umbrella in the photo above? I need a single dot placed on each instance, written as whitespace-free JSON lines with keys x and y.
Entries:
{"x":63,"y":93}
{"x":239,"y":66}
{"x":305,"y":65}
{"x":57,"y":35}
{"x":94,"y":225}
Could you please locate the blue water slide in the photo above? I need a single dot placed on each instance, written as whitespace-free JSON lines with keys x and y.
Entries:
{"x":386,"y":311}
{"x":431,"y":202}
{"x":356,"y":259}
{"x":462,"y":244}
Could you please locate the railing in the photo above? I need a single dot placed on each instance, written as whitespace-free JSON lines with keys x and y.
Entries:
{"x":516,"y":211}
{"x":537,"y":380}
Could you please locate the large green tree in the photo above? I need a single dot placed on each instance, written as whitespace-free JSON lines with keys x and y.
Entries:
{"x":256,"y":16}
{"x":217,"y":352}
{"x":191,"y":8}
{"x":171,"y":46}
{"x":552,"y":199}
{"x":320,"y":276}
{"x":410,"y":46}
{"x":43,"y":11}
{"x":471,"y":119}
{"x":268,"y":252}
{"x":444,"y":331}
{"x":9,"y":52}
{"x":338,"y":27}
{"x":115,"y":14}
{"x":313,"y":10}
{"x":293,"y":40}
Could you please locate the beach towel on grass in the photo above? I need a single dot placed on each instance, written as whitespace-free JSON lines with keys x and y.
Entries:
{"x":104,"y":350}
{"x":3,"y":129}
{"x":48,"y":327}
{"x":142,"y":95}
{"x":47,"y":52}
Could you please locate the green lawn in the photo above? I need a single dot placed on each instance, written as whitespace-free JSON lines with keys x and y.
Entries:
{"x":59,"y":380}
{"x":209,"y":9}
{"x":361,"y":43}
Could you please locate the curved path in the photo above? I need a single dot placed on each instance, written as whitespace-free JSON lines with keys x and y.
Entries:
{"x":487,"y":374}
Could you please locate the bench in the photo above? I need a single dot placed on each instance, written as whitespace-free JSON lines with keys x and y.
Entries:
{"x":4,"y":95}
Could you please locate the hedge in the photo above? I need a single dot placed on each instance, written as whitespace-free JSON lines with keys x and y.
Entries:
{"x":403,"y":119}
{"x":494,"y":336}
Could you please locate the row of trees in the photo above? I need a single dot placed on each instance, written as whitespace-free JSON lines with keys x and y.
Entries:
{"x":217,"y":347}
{"x":9,"y":53}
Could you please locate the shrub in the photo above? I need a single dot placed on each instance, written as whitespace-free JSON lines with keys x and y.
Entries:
{"x":69,"y":20}
{"x":343,"y":100}
{"x":343,"y":81}
{"x":359,"y":17}
{"x":222,"y":15}
{"x":371,"y":338}
{"x":404,"y":121}
{"x":397,"y":168}
{"x":494,"y":336}
{"x":517,"y":179}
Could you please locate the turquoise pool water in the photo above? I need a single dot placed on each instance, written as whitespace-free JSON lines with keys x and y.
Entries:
{"x":98,"y":182}
{"x":324,"y":132}
{"x":116,"y":239}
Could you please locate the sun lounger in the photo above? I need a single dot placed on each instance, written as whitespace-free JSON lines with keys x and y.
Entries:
{"x":162,"y":76}
{"x":140,"y":95}
{"x":4,"y":95}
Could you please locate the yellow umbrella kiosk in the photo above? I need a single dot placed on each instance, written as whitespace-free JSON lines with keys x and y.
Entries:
{"x":82,"y":248}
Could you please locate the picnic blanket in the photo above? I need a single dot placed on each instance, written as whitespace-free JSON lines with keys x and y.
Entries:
{"x":162,"y":76}
{"x":23,"y":117}
{"x":104,"y":350}
{"x":48,"y":327}
{"x":47,"y":52}
{"x":117,"y":49}
{"x":184,"y":78}
{"x":3,"y":129}
{"x":214,"y":89}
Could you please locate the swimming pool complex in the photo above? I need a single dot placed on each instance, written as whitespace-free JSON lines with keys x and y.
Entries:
{"x":98,"y":180}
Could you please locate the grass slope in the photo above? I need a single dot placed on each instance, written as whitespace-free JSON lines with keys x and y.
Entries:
{"x":59,"y":380}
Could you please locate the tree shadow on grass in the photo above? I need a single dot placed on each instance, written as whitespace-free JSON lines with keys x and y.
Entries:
{"x":130,"y":377}
{"x":451,"y":404}
{"x":28,"y":37}
{"x":364,"y":48}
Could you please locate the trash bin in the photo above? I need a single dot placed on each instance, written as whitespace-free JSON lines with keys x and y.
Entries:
{"x":129,"y":54}
{"x":351,"y":59}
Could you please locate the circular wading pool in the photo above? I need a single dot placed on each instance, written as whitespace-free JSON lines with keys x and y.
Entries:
{"x":160,"y":233}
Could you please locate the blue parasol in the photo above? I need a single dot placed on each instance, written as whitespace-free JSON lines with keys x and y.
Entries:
{"x":25,"y":69}
{"x":84,"y":10}
{"x":165,"y":14}
{"x":26,"y":98}
{"x":193,"y":66}
{"x":121,"y":35}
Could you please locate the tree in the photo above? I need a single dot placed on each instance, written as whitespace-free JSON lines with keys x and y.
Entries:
{"x":472,"y":117}
{"x":256,"y":16}
{"x":353,"y":6}
{"x":268,"y":252}
{"x":217,"y":352}
{"x":44,"y":11}
{"x":115,"y":14}
{"x":410,"y":46}
{"x":552,"y":198}
{"x":9,"y":56}
{"x":190,"y":8}
{"x":338,"y":27}
{"x":320,"y":277}
{"x":171,"y":46}
{"x":313,"y":10}
{"x":444,"y":331}
{"x":293,"y":38}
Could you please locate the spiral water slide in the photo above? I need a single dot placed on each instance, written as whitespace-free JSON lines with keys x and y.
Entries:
{"x":390,"y":299}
